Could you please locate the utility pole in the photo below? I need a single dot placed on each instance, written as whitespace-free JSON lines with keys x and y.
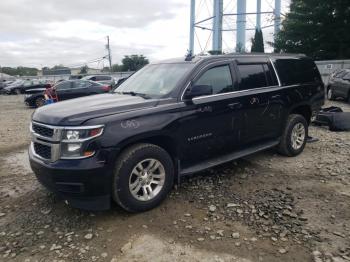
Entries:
{"x":109,"y":54}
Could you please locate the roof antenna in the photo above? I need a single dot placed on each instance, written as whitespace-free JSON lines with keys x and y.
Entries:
{"x":189,"y":55}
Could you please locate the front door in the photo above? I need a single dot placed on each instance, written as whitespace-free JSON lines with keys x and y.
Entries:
{"x":210,"y":124}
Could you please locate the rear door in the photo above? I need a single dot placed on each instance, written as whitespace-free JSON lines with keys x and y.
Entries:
{"x":262,"y":101}
{"x":80,"y":88}
{"x":64,"y":90}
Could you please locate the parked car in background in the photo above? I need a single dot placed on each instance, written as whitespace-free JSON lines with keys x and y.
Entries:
{"x":339,"y":85}
{"x":104,"y":79}
{"x":66,"y":90}
{"x":34,"y":97}
{"x":20,"y":86}
{"x":5,"y":83}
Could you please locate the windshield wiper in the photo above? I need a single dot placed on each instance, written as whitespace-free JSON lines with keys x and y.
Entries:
{"x":134,"y":94}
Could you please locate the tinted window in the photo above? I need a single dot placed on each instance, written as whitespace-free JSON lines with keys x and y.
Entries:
{"x":219,"y":78}
{"x":101,"y":78}
{"x":297,"y":71}
{"x":347,"y":76}
{"x":81,"y":84}
{"x":63,"y":85}
{"x":252,"y":76}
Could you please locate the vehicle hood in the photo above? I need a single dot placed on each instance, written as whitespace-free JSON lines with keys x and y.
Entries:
{"x":76,"y":111}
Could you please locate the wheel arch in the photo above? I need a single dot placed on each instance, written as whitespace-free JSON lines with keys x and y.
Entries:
{"x":163,"y":140}
{"x":302,"y":109}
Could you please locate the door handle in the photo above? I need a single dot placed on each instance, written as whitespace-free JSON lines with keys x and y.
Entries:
{"x":235,"y":105}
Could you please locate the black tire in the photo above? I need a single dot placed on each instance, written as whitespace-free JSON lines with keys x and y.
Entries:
{"x":39,"y":102}
{"x":330,"y":95}
{"x":285,"y":147}
{"x":348,"y":98}
{"x":123,"y":169}
{"x":17,"y":91}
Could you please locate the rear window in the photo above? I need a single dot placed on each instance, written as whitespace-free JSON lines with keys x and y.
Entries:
{"x":297,"y":71}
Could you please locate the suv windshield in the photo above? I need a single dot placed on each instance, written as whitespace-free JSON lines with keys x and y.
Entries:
{"x":156,"y":80}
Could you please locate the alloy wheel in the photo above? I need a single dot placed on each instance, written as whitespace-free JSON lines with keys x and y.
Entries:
{"x":147,"y":179}
{"x":298,"y":136}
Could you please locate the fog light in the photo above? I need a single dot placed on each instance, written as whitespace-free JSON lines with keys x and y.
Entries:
{"x":73,"y":147}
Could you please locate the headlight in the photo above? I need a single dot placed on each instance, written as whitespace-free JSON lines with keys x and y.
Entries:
{"x":75,"y":142}
{"x":81,"y":134}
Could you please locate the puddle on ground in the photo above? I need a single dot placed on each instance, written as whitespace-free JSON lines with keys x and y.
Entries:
{"x":16,"y":175}
{"x":151,"y":248}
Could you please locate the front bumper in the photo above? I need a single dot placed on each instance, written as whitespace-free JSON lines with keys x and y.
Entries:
{"x":83,"y":183}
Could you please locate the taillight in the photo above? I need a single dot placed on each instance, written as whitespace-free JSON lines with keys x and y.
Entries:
{"x":106,"y":88}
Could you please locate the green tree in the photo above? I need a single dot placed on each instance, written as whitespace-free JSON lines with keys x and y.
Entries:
{"x":84,"y":69}
{"x":117,"y":68}
{"x":134,"y":62}
{"x":258,"y":42}
{"x":319,"y":29}
{"x":21,"y":71}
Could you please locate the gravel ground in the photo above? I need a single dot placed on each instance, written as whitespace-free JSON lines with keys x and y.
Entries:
{"x":261,"y":208}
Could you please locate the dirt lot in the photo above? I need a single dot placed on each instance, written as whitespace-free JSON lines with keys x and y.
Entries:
{"x":262,"y":208}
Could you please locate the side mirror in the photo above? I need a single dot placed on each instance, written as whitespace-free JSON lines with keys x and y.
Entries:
{"x":198,"y":90}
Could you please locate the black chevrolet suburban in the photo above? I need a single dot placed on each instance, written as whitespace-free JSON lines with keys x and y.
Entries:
{"x":171,"y":119}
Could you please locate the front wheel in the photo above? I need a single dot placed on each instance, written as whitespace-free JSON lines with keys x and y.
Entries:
{"x":143,"y":176}
{"x":294,"y":136}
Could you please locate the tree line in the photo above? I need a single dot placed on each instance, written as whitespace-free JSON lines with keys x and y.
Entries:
{"x":128,"y":63}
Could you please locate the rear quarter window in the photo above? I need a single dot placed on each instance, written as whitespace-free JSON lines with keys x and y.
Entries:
{"x":297,"y":71}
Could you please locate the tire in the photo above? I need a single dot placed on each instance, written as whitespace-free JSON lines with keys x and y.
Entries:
{"x":294,"y":123}
{"x":330,"y":95}
{"x":348,"y":99}
{"x":39,"y":102}
{"x":124,"y":177}
{"x":17,"y":91}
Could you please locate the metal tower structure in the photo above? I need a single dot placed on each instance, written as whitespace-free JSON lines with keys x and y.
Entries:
{"x":216,"y":18}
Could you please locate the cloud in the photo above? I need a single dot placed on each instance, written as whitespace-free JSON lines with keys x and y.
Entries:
{"x":36,"y":32}
{"x":46,"y":33}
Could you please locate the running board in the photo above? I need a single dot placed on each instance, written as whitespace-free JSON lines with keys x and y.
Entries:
{"x":227,"y":158}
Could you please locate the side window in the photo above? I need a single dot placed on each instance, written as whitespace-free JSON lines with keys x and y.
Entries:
{"x":81,"y":84}
{"x":252,"y":76}
{"x":101,"y":78}
{"x":63,"y":86}
{"x":347,"y":76}
{"x":219,"y":78}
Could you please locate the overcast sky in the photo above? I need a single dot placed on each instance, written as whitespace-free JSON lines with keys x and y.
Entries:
{"x":40,"y":33}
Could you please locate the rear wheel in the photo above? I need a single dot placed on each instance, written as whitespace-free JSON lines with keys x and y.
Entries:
{"x":17,"y":91}
{"x":40,"y":101}
{"x":294,"y":136}
{"x":143,"y":177}
{"x":330,"y":94}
